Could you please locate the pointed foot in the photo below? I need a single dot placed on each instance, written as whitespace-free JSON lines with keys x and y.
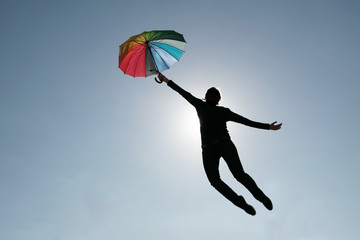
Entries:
{"x":267,"y":203}
{"x":246,"y":207}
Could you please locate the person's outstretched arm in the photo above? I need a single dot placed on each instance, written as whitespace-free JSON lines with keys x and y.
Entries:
{"x":190,"y":98}
{"x":240,"y":119}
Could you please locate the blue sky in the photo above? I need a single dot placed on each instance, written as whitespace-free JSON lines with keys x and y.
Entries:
{"x":87,"y":152}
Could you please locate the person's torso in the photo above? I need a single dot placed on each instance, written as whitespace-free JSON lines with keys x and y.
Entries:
{"x":212,"y":122}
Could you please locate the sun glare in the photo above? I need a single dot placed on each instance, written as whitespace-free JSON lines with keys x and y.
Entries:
{"x":189,"y":126}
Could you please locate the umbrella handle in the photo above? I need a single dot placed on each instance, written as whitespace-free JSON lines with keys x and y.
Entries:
{"x":157,"y":80}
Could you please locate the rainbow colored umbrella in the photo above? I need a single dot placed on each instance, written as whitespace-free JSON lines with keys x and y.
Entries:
{"x":151,"y":52}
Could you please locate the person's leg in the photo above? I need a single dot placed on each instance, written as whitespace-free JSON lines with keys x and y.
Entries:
{"x":211,"y":160}
{"x":231,"y":157}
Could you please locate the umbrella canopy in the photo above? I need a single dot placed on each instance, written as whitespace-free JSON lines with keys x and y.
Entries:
{"x":151,"y":52}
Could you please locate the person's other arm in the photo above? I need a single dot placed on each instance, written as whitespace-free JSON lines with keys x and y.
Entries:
{"x":240,"y":119}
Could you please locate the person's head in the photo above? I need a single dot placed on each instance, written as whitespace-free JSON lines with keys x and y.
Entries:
{"x":213,"y":96}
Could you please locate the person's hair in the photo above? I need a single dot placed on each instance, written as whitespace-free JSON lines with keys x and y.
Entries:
{"x":213,"y":91}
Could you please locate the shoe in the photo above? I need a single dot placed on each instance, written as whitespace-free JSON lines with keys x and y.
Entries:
{"x":246,"y":207}
{"x":267,"y":203}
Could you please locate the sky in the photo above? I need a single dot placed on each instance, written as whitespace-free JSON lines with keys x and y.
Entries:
{"x":87,"y":152}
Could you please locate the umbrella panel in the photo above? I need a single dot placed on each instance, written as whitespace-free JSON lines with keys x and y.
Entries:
{"x":150,"y":66}
{"x":173,"y":51}
{"x":162,"y":58}
{"x":133,"y":62}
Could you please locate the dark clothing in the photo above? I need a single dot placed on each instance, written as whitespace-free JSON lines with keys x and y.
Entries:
{"x":211,"y":159}
{"x":216,"y":143}
{"x":213,"y":118}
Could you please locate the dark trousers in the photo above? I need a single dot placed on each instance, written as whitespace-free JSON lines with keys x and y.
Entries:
{"x":211,"y":159}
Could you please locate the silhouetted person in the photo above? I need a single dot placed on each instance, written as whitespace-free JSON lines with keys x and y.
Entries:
{"x":216,"y":143}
